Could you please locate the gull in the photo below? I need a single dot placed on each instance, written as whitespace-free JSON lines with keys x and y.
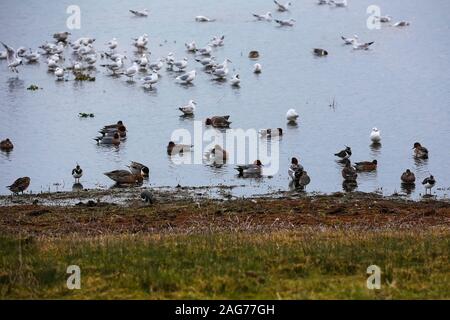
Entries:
{"x":321,"y":2}
{"x":61,"y":36}
{"x":131,"y":71}
{"x":375,"y":135}
{"x":52,"y":63}
{"x":206,"y":51}
{"x":362,"y":46}
{"x":91,"y":59}
{"x":21,"y":52}
{"x":217,"y":41}
{"x":150,"y":80}
{"x":282,"y":7}
{"x":115,"y":66}
{"x":141,"y":41}
{"x":13,"y":60}
{"x":157,"y":65}
{"x":235,"y":81}
{"x":257,"y":68}
{"x":401,"y":24}
{"x":182,"y":64}
{"x":85,"y":50}
{"x":142,"y":61}
{"x":140,"y":13}
{"x":170,"y":59}
{"x":206,"y":62}
{"x":203,"y":19}
{"x":191,"y":46}
{"x":292,"y":115}
{"x":189,"y":109}
{"x":112,"y":44}
{"x":59,"y":73}
{"x":350,"y":40}
{"x":83,"y":41}
{"x":115,"y":56}
{"x":32,"y":56}
{"x":220,"y":73}
{"x":286,"y":23}
{"x":187,"y":77}
{"x":222,"y":65}
{"x":263,"y":17}
{"x":384,"y":19}
{"x":342,"y":3}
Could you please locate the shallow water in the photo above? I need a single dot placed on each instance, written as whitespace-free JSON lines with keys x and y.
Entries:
{"x":400,"y":86}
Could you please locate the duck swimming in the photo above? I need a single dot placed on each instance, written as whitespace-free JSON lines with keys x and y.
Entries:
{"x":218,"y":121}
{"x":366,"y":165}
{"x":408,"y":177}
{"x":111,"y":140}
{"x":254,"y":169}
{"x":175,"y":148}
{"x":6,"y":145}
{"x":419,"y":151}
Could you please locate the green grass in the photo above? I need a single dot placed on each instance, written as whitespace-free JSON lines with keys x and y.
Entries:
{"x":286,"y":265}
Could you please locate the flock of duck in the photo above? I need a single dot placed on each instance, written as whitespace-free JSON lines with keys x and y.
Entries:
{"x":85,"y":59}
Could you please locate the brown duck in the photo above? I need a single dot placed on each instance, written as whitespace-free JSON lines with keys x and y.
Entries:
{"x":218,"y":122}
{"x":175,"y":148}
{"x":366,"y":165}
{"x":419,"y":151}
{"x":6,"y":145}
{"x":124,"y":177}
{"x":20,"y":185}
{"x":408,"y":177}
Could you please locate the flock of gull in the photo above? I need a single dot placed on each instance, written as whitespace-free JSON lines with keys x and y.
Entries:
{"x":85,"y":57}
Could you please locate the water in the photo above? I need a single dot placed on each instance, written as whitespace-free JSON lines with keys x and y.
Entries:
{"x":400,"y":86}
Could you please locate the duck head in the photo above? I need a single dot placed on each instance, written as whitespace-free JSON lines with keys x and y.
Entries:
{"x":416,"y":145}
{"x":294,"y":161}
{"x":208,"y":121}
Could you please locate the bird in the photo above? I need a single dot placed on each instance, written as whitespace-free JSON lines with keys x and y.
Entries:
{"x":322,"y":2}
{"x":142,"y":61}
{"x":401,"y":24}
{"x":254,"y":169}
{"x":138,"y":168}
{"x":141,"y":42}
{"x":140,"y":13}
{"x":115,"y":66}
{"x":384,"y":19}
{"x":191,"y":46}
{"x":257,"y":68}
{"x":301,"y":179}
{"x":342,"y":3}
{"x":147,"y":196}
{"x":32,"y":56}
{"x":419,"y":151}
{"x":77,"y":173}
{"x":263,"y":17}
{"x":408,"y":177}
{"x":375,"y":135}
{"x":115,"y":125}
{"x":109,"y":140}
{"x":222,"y":65}
{"x":294,"y":167}
{"x":61,"y":36}
{"x":207,"y":62}
{"x":292,"y":115}
{"x":157,"y":65}
{"x":366,"y":165}
{"x":217,"y":155}
{"x":282,"y":7}
{"x":235,"y":81}
{"x":132,"y":71}
{"x":124,"y":177}
{"x":59,"y":73}
{"x":217,"y":41}
{"x":349,"y":172}
{"x":204,"y":19}
{"x":112,"y":44}
{"x":269,"y":133}
{"x":429,"y":183}
{"x":218,"y":121}
{"x":150,"y":80}
{"x":20,"y":185}
{"x":285,"y":23}
{"x":175,"y":148}
{"x":350,"y":40}
{"x":344,"y":154}
{"x":220,"y":73}
{"x":362,"y":46}
{"x":6,"y":145}
{"x":13,"y":60}
{"x":182,"y":64}
{"x":189,"y":109}
{"x":320,"y":52}
{"x":205,"y":51}
{"x":187,"y":77}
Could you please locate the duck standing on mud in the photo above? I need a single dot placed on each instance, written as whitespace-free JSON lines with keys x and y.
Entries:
{"x":20,"y":185}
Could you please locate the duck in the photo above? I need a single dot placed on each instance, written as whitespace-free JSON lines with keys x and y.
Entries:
{"x":77,"y":173}
{"x":20,"y":185}
{"x":6,"y":145}
{"x":366,"y":165}
{"x":294,"y":168}
{"x":408,"y":177}
{"x":375,"y":135}
{"x":218,"y":154}
{"x":250,"y":169}
{"x":124,"y":177}
{"x":429,"y":183}
{"x":301,"y":179}
{"x":344,"y":154}
{"x":115,"y":139}
{"x":189,"y":109}
{"x":419,"y":151}
{"x":116,"y":125}
{"x":320,"y":52}
{"x":253,"y":54}
{"x":121,"y":130}
{"x":292,"y":115}
{"x":175,"y":148}
{"x":218,"y":121}
{"x":269,"y":133}
{"x":349,"y":172}
{"x":139,"y":168}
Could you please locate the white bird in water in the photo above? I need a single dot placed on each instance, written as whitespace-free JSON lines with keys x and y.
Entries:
{"x":61,"y":36}
{"x":263,"y":17}
{"x":292,"y":115}
{"x":142,"y":61}
{"x":131,"y":71}
{"x":150,"y":80}
{"x":401,"y":24}
{"x":32,"y":56}
{"x":182,"y":64}
{"x":375,"y":135}
{"x":204,"y":19}
{"x":191,"y":46}
{"x":157,"y":65}
{"x":189,"y":109}
{"x":187,"y":77}
{"x":207,"y":62}
{"x":141,"y":41}
{"x":350,"y":40}
{"x":235,"y":81}
{"x":362,"y":46}
{"x":13,"y":60}
{"x":59,"y":73}
{"x":342,"y":3}
{"x":282,"y":7}
{"x":112,"y":44}
{"x":217,"y":41}
{"x":206,"y":51}
{"x":170,"y":59}
{"x":222,"y":65}
{"x":257,"y":68}
{"x":220,"y":73}
{"x":115,"y":66}
{"x":140,"y":13}
{"x":285,"y":23}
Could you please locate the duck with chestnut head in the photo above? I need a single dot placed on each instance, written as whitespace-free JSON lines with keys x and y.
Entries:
{"x":254,"y":169}
{"x":218,"y":121}
{"x":176,"y":148}
{"x":6,"y":145}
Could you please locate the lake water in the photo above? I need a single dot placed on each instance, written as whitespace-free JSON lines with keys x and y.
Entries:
{"x":401,"y":86}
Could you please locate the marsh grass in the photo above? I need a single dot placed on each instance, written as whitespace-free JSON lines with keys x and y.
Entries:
{"x":277,"y":265}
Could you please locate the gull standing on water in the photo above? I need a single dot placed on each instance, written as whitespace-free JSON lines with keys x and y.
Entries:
{"x":285,"y":23}
{"x":375,"y":135}
{"x":150,"y":80}
{"x":140,"y":13}
{"x":204,"y":19}
{"x":13,"y":60}
{"x":187,"y":77}
{"x":263,"y":17}
{"x":189,"y":109}
{"x":282,"y":7}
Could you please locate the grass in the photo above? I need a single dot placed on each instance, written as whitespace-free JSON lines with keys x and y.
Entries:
{"x":272,"y":265}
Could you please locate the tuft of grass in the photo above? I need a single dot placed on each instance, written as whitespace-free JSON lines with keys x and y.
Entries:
{"x":286,"y":265}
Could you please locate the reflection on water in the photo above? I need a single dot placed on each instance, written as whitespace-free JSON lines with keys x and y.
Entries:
{"x":77,"y":187}
{"x":349,"y":186}
{"x":408,"y":188}
{"x":375,"y":149}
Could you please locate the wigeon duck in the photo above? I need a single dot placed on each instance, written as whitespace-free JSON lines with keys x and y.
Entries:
{"x":366,"y":165}
{"x":189,"y":109}
{"x":6,"y":145}
{"x":254,"y":169}
{"x":419,"y":151}
{"x":112,"y":140}
{"x":138,"y":168}
{"x":121,"y":130}
{"x":218,"y":121}
{"x":20,"y":185}
{"x":110,"y":126}
{"x":375,"y":135}
{"x":429,"y":183}
{"x":253,"y":54}
{"x":282,"y":7}
{"x":294,"y":168}
{"x":320,"y":52}
{"x":271,"y":132}
{"x":124,"y":177}
{"x":77,"y":173}
{"x":301,"y":179}
{"x":344,"y":154}
{"x":408,"y":177}
{"x":349,"y":172}
{"x":175,"y":148}
{"x":218,"y":154}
